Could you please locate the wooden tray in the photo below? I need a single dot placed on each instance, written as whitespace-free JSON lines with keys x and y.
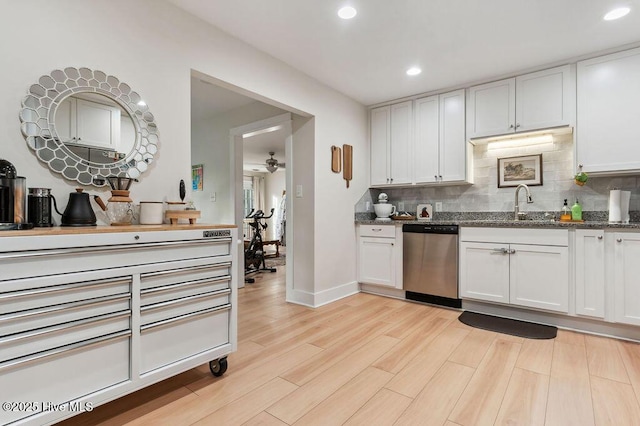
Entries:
{"x":403,"y":217}
{"x":175,"y":215}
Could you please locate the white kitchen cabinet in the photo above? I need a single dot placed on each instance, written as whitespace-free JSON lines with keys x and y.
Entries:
{"x":391,"y":137}
{"x":626,"y":273}
{"x":152,"y":303}
{"x":524,"y":267}
{"x":484,"y":272}
{"x":379,"y":256}
{"x":534,"y":101}
{"x":440,"y":143}
{"x":590,"y":272}
{"x":608,"y":90}
{"x":84,"y":122}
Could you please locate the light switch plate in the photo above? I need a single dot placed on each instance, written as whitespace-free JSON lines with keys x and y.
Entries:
{"x":401,"y":206}
{"x":438,"y":206}
{"x":298,"y":191}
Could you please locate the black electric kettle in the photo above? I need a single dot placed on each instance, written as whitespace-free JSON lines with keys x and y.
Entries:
{"x":79,"y":211}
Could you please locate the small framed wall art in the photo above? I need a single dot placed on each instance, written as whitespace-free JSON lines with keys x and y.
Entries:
{"x":424,"y":212}
{"x":527,"y":169}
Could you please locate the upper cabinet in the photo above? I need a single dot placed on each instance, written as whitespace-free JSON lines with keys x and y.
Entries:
{"x":608,"y":111}
{"x":440,"y":143}
{"x":534,"y":101}
{"x":85,"y":122}
{"x":391,"y":137}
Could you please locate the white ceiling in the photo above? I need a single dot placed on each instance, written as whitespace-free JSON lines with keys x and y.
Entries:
{"x":455,"y":42}
{"x":256,"y":150}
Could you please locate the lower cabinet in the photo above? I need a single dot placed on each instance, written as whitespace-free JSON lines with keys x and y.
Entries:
{"x":530,"y":273}
{"x":626,"y":273}
{"x":590,"y":272}
{"x":71,"y":341}
{"x":380,"y":255}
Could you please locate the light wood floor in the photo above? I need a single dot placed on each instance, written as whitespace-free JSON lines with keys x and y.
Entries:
{"x":369,"y":360}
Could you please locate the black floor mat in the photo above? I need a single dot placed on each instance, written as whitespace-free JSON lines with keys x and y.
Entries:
{"x":529,"y":330}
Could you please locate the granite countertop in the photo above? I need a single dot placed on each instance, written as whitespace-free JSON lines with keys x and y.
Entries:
{"x":593,"y":220}
{"x":509,"y":223}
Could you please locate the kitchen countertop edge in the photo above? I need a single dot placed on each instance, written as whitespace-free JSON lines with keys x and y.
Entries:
{"x":507,"y":223}
{"x":106,"y":229}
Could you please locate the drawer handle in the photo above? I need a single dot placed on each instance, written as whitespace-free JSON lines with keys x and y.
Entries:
{"x":194,"y":283}
{"x":64,"y":287}
{"x":619,"y":240}
{"x":186,"y":270}
{"x":87,"y":303}
{"x":185,"y":317}
{"x":63,"y":349}
{"x":62,"y":327}
{"x":99,"y":249}
{"x":186,"y":299}
{"x":500,"y":250}
{"x":599,"y":237}
{"x":376,"y":229}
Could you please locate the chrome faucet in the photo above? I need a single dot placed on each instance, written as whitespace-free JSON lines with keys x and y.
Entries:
{"x":517,"y":206}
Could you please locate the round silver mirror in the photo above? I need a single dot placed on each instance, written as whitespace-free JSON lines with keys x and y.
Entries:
{"x":87,"y":125}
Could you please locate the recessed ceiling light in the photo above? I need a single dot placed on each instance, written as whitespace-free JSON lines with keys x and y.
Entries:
{"x":347,"y":12}
{"x":616,"y":13}
{"x":414,"y":71}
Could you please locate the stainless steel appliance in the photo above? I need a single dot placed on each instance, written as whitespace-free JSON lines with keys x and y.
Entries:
{"x":430,"y":263}
{"x":12,"y":198}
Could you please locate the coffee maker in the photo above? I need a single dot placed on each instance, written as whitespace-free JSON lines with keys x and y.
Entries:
{"x":12,"y":198}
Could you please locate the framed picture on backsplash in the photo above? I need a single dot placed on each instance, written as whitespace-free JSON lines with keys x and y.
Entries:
{"x":424,"y":212}
{"x":527,"y":169}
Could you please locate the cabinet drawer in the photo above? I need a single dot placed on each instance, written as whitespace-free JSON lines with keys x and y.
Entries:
{"x":175,"y":276}
{"x":178,"y":338}
{"x":65,"y":374}
{"x":186,"y":305}
{"x":388,"y":231}
{"x":39,"y":297}
{"x":20,"y":322}
{"x":48,"y":338}
{"x":185,"y":289}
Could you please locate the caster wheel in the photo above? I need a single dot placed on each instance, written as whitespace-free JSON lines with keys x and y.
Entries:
{"x":250,"y":280}
{"x":218,"y":366}
{"x":273,"y":269}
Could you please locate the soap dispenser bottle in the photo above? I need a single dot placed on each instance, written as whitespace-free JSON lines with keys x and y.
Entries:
{"x":576,"y":211}
{"x":566,"y":212}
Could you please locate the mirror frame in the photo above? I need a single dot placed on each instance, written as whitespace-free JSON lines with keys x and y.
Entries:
{"x":37,"y":118}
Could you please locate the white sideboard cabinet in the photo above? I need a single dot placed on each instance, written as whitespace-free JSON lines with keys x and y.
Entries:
{"x":90,"y":316}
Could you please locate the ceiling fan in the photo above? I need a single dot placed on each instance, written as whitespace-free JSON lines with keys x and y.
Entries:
{"x":272,"y":163}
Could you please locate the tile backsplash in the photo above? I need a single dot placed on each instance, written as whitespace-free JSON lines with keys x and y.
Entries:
{"x":484,"y":195}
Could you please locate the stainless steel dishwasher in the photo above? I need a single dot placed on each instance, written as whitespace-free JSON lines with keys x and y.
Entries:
{"x":430,"y":263}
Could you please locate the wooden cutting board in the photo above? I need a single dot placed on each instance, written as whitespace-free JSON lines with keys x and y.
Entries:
{"x":336,"y":159}
{"x":347,"y":173}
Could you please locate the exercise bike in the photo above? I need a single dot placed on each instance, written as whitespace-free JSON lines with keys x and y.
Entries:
{"x":254,"y":260}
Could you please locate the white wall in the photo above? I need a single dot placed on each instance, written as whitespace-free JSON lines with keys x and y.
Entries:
{"x":210,"y":146}
{"x":153,"y":46}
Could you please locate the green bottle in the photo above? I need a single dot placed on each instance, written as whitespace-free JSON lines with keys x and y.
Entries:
{"x":576,"y":211}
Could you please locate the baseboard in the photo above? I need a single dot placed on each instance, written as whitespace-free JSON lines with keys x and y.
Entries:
{"x":336,"y":293}
{"x":315,"y":300}
{"x":576,"y":323}
{"x":383,"y":291}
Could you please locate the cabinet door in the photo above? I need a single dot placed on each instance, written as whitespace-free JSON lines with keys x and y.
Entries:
{"x":401,"y":122}
{"x":539,"y":277}
{"x":66,"y":120}
{"x":427,"y":139}
{"x":97,"y":124}
{"x":377,"y":263}
{"x":626,"y":278}
{"x":544,"y":99}
{"x":608,"y":111}
{"x":484,"y":271}
{"x":590,"y":279}
{"x":491,"y":109}
{"x":453,"y":144}
{"x":380,"y":136}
